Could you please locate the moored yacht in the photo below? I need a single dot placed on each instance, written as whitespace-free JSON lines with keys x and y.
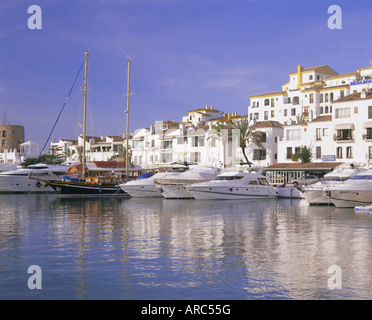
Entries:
{"x":234,"y":185}
{"x":173,"y":186}
{"x":16,"y":181}
{"x":356,"y":191}
{"x":317,"y":193}
{"x":145,"y":187}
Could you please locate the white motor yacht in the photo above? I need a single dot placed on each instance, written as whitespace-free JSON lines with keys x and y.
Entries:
{"x":174,"y":186}
{"x":356,"y":191}
{"x":234,"y":185}
{"x":316,"y":193}
{"x":16,"y":181}
{"x":145,"y":188}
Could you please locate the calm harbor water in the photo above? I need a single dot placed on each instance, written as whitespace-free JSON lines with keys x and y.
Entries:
{"x":181,"y":249}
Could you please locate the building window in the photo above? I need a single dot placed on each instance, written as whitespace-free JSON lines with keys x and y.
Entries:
{"x":266,"y":102}
{"x":339,"y":152}
{"x":296,"y":100}
{"x":289,"y":152}
{"x":194,"y":156}
{"x":293,"y":111}
{"x":266,"y":115}
{"x":342,"y":94}
{"x":272,"y":102}
{"x":285,"y":112}
{"x":3,"y":143}
{"x":331,"y":97}
{"x":311,"y":77}
{"x":369,"y":152}
{"x":325,"y":132}
{"x":259,"y":154}
{"x":166,"y":157}
{"x":272,"y":114}
{"x":326,"y":109}
{"x":318,"y":152}
{"x":369,"y":133}
{"x":326,"y":97}
{"x":321,"y":110}
{"x":349,"y":152}
{"x":321,"y":98}
{"x":197,"y":141}
{"x":344,"y":134}
{"x":369,"y":112}
{"x":4,"y":133}
{"x":342,"y":113}
{"x":311,"y":97}
{"x":294,"y":135}
{"x":181,"y":140}
{"x":318,"y":134}
{"x":166,"y":144}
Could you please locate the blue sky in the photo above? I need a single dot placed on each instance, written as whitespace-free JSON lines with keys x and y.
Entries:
{"x":188,"y":53}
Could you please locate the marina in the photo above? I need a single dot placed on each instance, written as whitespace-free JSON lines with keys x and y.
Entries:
{"x":209,"y":151}
{"x":150,"y":249}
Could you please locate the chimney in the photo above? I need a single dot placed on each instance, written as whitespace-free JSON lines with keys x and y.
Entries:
{"x":299,"y":76}
{"x":363,"y":95}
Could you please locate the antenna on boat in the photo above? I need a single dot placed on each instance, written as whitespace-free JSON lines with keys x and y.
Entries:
{"x":85,"y":112}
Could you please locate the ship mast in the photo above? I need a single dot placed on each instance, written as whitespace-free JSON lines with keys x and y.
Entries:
{"x":127,"y":112}
{"x":85,"y":112}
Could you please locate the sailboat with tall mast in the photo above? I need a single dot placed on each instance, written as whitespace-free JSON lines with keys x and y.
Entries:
{"x":97,"y":178}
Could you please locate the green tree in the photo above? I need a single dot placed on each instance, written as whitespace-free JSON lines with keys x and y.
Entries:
{"x":304,"y":155}
{"x":121,"y":154}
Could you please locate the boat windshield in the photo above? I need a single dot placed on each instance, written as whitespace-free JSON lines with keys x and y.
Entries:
{"x":333,"y":179}
{"x":228,"y":178}
{"x":362,"y":177}
{"x":263,"y":181}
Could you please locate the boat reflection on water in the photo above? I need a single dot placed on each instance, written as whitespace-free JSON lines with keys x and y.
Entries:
{"x":138,"y":248}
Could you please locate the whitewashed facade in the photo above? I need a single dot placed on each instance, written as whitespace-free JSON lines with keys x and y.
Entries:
{"x":325,"y":111}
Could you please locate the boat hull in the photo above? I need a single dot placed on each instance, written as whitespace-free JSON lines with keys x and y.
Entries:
{"x":350,"y":198}
{"x":232,"y":193}
{"x":317,"y":196}
{"x":138,"y":191}
{"x":174,"y":191}
{"x":76,"y":189}
{"x":20,"y":184}
{"x":289,"y":192}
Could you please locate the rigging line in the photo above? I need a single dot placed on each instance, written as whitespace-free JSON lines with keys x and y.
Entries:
{"x":59,"y":115}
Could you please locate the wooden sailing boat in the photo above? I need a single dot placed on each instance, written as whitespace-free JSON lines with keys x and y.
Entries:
{"x":97,"y":178}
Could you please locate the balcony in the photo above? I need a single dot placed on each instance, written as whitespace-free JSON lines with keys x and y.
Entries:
{"x":344,"y":133}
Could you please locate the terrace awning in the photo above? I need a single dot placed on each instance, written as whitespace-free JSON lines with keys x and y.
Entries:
{"x":344,"y":126}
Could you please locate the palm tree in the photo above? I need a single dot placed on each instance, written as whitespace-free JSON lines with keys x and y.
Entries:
{"x":79,"y":150}
{"x":246,"y":134}
{"x":121,"y":154}
{"x":68,"y":153}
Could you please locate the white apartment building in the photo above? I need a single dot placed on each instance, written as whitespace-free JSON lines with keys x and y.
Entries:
{"x":326,"y":111}
{"x":97,"y":148}
{"x":317,"y":107}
